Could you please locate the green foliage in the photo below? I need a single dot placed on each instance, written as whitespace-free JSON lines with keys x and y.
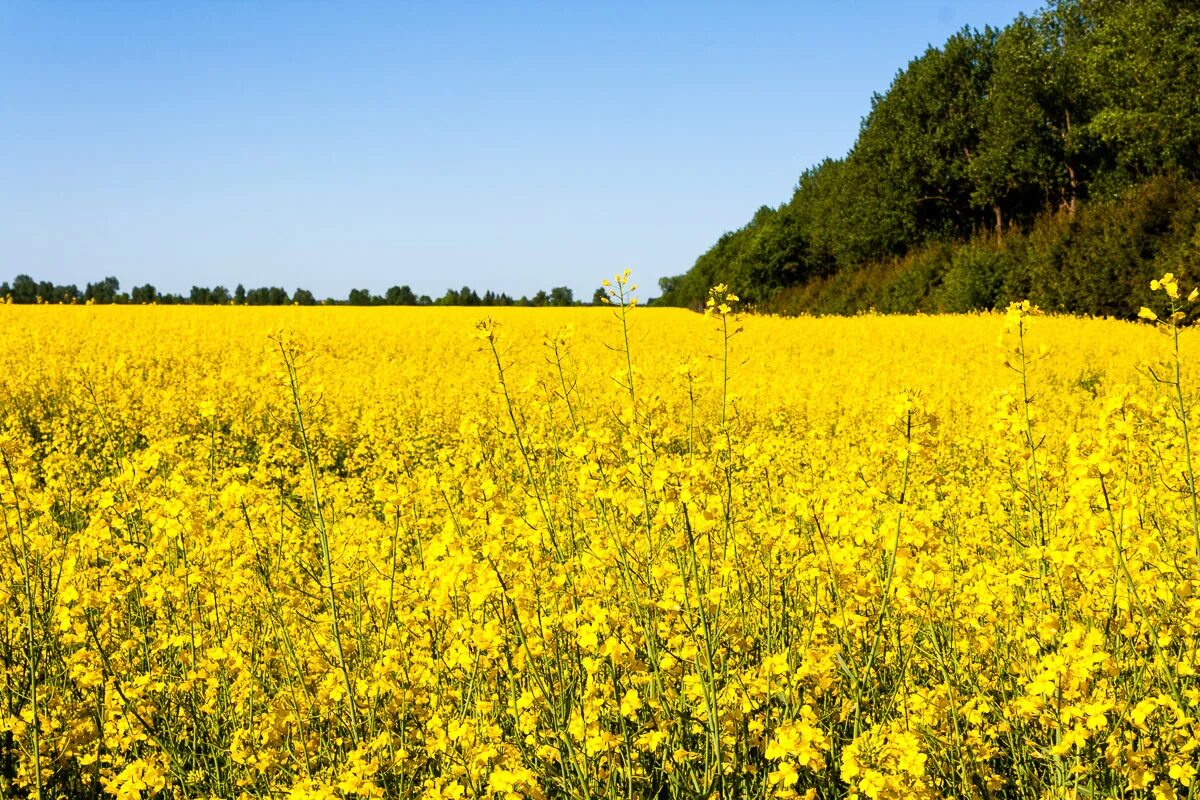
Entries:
{"x":27,"y":290}
{"x":922,"y":137}
{"x":267,"y":296}
{"x":360,"y":297}
{"x":303,"y":297}
{"x":561,"y":296}
{"x":848,"y":217}
{"x":1018,"y":164}
{"x":400,"y":296}
{"x":973,"y":280}
{"x":1105,"y":258}
{"x":24,"y":289}
{"x":1143,"y":66}
{"x":1099,"y":261}
{"x":103,"y":292}
{"x":144,"y":294}
{"x":1056,"y":159}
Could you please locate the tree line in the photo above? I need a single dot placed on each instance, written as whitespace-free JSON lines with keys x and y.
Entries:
{"x":26,"y":290}
{"x":466,"y":296}
{"x":1057,"y":158}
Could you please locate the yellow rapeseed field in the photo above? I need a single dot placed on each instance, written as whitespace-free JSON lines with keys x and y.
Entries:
{"x":594,"y":553}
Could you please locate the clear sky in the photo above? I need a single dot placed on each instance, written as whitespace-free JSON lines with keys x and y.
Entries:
{"x":503,"y":145}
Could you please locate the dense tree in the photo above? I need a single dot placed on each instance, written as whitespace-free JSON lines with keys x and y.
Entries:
{"x":491,"y":298}
{"x":1142,"y":66}
{"x":144,"y":294}
{"x":103,"y":292}
{"x":267,"y":296}
{"x":24,"y":289}
{"x":466,"y":296}
{"x":923,"y":134}
{"x":65,"y":294}
{"x":303,"y":297}
{"x":1014,"y":168}
{"x":218,"y":295}
{"x":400,"y":296}
{"x":993,"y":133}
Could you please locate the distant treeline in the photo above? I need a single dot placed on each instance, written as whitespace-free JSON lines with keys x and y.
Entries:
{"x":26,"y":290}
{"x":1057,"y":159}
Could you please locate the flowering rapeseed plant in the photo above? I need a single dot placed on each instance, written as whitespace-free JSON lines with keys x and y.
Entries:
{"x":596,"y":553}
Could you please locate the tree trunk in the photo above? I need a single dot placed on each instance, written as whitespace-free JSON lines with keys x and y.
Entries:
{"x":1073,"y":183}
{"x":1072,"y":178}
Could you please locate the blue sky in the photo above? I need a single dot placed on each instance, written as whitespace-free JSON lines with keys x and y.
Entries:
{"x":503,"y":145}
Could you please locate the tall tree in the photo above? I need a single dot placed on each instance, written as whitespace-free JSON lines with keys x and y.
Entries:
{"x":1014,"y":170}
{"x":24,"y":289}
{"x":104,"y":291}
{"x":400,"y":296}
{"x":922,"y":135}
{"x":562,"y":296}
{"x":144,"y":294}
{"x":1142,"y":66}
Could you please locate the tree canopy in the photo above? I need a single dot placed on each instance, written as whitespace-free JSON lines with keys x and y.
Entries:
{"x":978,"y":144}
{"x":26,"y":290}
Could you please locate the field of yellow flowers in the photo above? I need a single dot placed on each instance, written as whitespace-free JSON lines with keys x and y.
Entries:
{"x":594,"y":553}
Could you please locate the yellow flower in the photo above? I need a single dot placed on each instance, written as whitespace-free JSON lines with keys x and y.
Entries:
{"x":631,"y":703}
{"x":376,"y":554}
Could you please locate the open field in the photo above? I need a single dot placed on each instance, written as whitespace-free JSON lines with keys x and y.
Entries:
{"x":335,"y":552}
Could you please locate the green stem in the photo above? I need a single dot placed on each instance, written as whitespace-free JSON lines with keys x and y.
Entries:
{"x":289,"y":360}
{"x":29,"y":604}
